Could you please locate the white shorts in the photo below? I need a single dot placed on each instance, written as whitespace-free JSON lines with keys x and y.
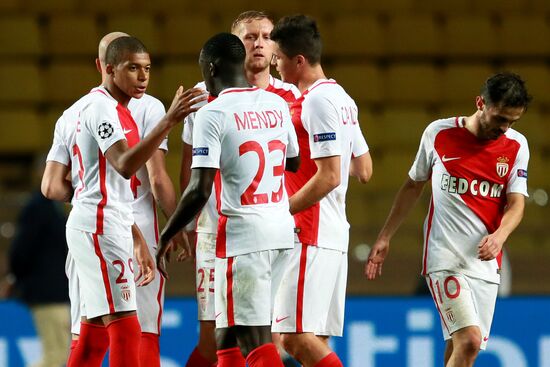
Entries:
{"x":312,"y":294}
{"x":74,"y":294}
{"x":205,"y":267}
{"x":150,"y":298}
{"x":463,"y":301}
{"x":105,"y":271}
{"x":245,"y":286}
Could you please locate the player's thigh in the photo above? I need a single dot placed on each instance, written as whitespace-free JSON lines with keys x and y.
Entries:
{"x":243,"y":290}
{"x":105,"y":271}
{"x":463,"y":301}
{"x":303,"y":300}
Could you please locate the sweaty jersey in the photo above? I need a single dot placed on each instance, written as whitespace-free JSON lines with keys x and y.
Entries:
{"x":326,"y":121}
{"x":247,"y":134}
{"x":207,"y":220}
{"x":470,"y":179}
{"x":102,"y":201}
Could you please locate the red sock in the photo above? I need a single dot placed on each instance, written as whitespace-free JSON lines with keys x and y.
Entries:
{"x":74,"y":342}
{"x":91,"y":347}
{"x":265,"y":356}
{"x":149,"y":350}
{"x":331,"y":360}
{"x":124,"y":335}
{"x":196,"y":359}
{"x":231,"y":357}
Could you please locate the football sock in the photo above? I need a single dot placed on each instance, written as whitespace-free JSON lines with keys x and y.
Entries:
{"x":149,"y":350}
{"x":197,"y":360}
{"x":91,"y":346}
{"x":331,"y":360}
{"x":231,"y":357}
{"x":74,"y":342}
{"x":264,"y":356}
{"x":124,"y":335}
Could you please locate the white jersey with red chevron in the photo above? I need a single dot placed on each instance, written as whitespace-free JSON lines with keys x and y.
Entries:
{"x":207,"y":221}
{"x":247,"y":133}
{"x":326,"y":121}
{"x":470,"y":182}
{"x":102,"y":201}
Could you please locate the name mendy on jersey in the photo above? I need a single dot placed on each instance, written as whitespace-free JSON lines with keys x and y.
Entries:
{"x":259,"y":120}
{"x":459,"y":185}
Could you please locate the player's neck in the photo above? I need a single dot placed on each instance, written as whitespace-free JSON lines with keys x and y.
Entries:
{"x":116,"y":93}
{"x":260,"y":79}
{"x":471,"y":123}
{"x":309,"y":76}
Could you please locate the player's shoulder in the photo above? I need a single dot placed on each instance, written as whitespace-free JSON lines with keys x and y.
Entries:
{"x":441,"y":124}
{"x":513,"y":134}
{"x":280,"y":87}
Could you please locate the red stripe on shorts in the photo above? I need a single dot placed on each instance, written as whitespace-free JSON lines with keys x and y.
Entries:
{"x":229,"y":278}
{"x":104,"y":273}
{"x":300,"y":292}
{"x":437,"y":304}
{"x":159,"y":300}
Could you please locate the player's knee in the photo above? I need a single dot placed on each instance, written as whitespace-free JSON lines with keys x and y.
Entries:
{"x":291,"y":343}
{"x":470,"y":344}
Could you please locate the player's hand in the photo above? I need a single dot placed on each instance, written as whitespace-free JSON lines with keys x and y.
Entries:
{"x":489,"y":247}
{"x":146,"y":264}
{"x":184,"y":103}
{"x":187,"y":251}
{"x":163,"y":249}
{"x":377,"y":255}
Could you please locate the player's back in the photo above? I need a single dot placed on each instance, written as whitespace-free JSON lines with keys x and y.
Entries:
{"x":255,"y":135}
{"x":102,"y":198}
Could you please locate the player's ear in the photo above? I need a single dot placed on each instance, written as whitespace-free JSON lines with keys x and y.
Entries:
{"x":109,"y":69}
{"x":300,"y":60}
{"x":212,"y":69}
{"x":480,"y":103}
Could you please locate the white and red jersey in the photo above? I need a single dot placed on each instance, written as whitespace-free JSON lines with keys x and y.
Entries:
{"x":147,"y":113}
{"x":470,"y":179}
{"x":102,"y":201}
{"x":326,"y":121}
{"x":207,"y":220}
{"x":247,"y":133}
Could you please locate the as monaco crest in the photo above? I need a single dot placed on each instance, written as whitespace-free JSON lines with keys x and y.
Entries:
{"x":125,"y":293}
{"x":502,"y":166}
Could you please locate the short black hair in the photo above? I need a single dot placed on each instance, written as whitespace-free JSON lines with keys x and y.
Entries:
{"x":505,"y":89}
{"x":122,"y":45}
{"x":298,"y":35}
{"x":223,"y":46}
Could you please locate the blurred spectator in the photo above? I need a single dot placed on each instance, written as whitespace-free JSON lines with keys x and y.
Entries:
{"x":36,"y":261}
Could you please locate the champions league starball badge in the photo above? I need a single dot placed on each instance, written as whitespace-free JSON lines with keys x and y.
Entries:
{"x":105,"y":130}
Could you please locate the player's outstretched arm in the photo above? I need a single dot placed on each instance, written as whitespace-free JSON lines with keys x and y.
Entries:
{"x":326,"y":179}
{"x":402,"y":205}
{"x":361,"y":167}
{"x":491,"y":245}
{"x":127,"y":161}
{"x":192,"y":201}
{"x":55,"y":185}
{"x":145,"y":262}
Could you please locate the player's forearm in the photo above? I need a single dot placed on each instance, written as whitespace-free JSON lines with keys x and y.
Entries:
{"x":513,"y":214}
{"x":54,"y":185}
{"x":164,"y":194}
{"x":404,"y":201}
{"x":313,"y":191}
{"x":361,"y":167}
